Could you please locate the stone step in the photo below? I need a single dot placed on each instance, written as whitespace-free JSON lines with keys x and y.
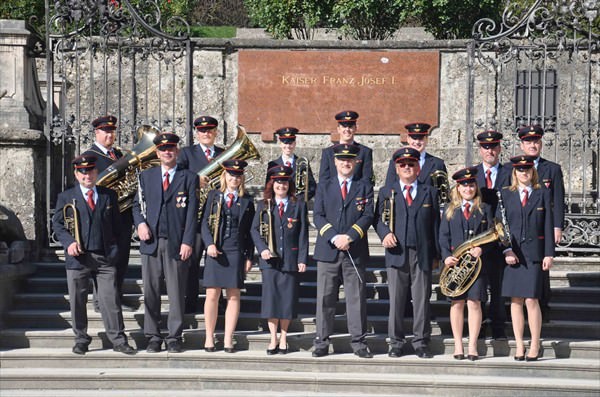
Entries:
{"x":283,"y":381}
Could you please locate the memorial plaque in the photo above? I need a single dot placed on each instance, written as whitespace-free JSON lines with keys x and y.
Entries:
{"x":306,"y":89}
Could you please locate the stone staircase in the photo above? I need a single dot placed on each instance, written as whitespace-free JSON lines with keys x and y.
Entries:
{"x":36,"y":356}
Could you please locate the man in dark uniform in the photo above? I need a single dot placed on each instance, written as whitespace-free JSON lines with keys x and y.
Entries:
{"x":93,"y":256}
{"x":410,"y":249}
{"x":343,"y":212}
{"x":491,"y":177}
{"x":195,"y":158}
{"x":106,"y":153}
{"x":165,"y":213}
{"x":418,"y":138}
{"x":287,"y":142}
{"x":550,"y":177}
{"x":347,"y":128}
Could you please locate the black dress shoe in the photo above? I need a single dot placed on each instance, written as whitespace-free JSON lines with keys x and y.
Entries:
{"x":174,"y":347}
{"x":535,"y":358}
{"x":229,"y":349}
{"x":154,"y":347}
{"x":519,"y":358}
{"x":395,"y":352}
{"x":320,"y":352}
{"x":125,"y":349}
{"x":363,"y":353}
{"x":422,"y":352}
{"x":80,"y":348}
{"x":473,"y":357}
{"x":210,"y":349}
{"x":273,"y":351}
{"x":459,"y":356}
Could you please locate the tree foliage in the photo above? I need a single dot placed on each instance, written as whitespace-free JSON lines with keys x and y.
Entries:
{"x":370,"y":19}
{"x":23,"y":9}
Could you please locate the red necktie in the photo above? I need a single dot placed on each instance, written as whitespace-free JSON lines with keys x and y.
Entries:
{"x":525,"y":197}
{"x":208,"y":156}
{"x":166,"y":182}
{"x":466,"y":211}
{"x":90,"y":199}
{"x":408,"y":196}
{"x":112,"y":154}
{"x":230,"y":201}
{"x":281,"y":209}
{"x":288,"y":164}
{"x":488,"y":179}
{"x":344,"y":190}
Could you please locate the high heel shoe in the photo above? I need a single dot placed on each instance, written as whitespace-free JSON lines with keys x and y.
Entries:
{"x":229,"y":349}
{"x":520,"y":358}
{"x":460,"y":356}
{"x":273,"y":351}
{"x":284,"y":351}
{"x":210,"y":349}
{"x":473,"y":357}
{"x":535,"y":358}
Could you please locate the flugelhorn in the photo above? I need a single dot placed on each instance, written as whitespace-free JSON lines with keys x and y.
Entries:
{"x":266,"y":228}
{"x":301,"y":177}
{"x":387,"y":213}
{"x":71,"y":219}
{"x":214,"y":219}
{"x":439,"y":179}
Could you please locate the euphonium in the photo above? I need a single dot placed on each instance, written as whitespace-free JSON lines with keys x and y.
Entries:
{"x":241,"y":149}
{"x":121,"y":176}
{"x":387,"y":214}
{"x":456,"y":280}
{"x":301,"y":179}
{"x":72,"y":222}
{"x":439,"y":179}
{"x":266,"y":228}
{"x":214,"y":219}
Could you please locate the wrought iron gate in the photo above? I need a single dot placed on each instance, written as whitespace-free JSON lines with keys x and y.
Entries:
{"x":112,"y":57}
{"x":541,"y":65}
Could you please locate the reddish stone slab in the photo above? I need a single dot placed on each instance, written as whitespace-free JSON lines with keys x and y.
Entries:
{"x":306,"y":89}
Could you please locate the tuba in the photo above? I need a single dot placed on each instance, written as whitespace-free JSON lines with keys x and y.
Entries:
{"x":439,"y":179}
{"x":387,"y":213}
{"x":301,"y":179}
{"x":71,"y":219}
{"x":456,"y":280}
{"x":266,"y":229}
{"x":121,"y":176}
{"x":241,"y":149}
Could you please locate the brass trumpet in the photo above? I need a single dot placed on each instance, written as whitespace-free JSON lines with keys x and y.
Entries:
{"x":214,"y":219}
{"x":387,"y":214}
{"x":266,"y":228}
{"x":301,"y":179}
{"x":439,"y":179}
{"x":71,"y":219}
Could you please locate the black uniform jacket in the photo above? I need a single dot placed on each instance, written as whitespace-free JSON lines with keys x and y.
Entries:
{"x":290,"y":235}
{"x":503,"y":177}
{"x":431,"y":165}
{"x":312,"y":185}
{"x":427,"y":225}
{"x":551,"y":177}
{"x":362,"y":171}
{"x":181,"y":203}
{"x":455,"y":231}
{"x":193,"y":158}
{"x":246,"y":205}
{"x":106,"y":222}
{"x":532,"y":233}
{"x":333,"y":216}
{"x":103,"y":160}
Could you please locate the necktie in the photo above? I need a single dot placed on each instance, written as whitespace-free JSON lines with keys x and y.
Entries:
{"x":288,"y":164}
{"x":466,"y":211}
{"x":525,"y":197}
{"x":166,"y":181}
{"x":488,"y":179}
{"x":408,"y":196}
{"x":281,"y":209}
{"x":344,"y":190}
{"x":208,"y":156}
{"x":112,"y":154}
{"x":230,"y":197}
{"x":90,"y":199}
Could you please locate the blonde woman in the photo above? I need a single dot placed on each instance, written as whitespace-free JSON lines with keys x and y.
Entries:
{"x":230,"y":256}
{"x":465,"y":216}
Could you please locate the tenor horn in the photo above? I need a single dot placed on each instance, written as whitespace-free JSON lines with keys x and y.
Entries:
{"x":121,"y":176}
{"x":71,"y":219}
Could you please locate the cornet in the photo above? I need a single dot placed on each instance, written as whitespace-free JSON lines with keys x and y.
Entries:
{"x":387,"y":214}
{"x":71,"y":219}
{"x":301,"y":179}
{"x":439,"y":179}
{"x":214,"y":219}
{"x":266,"y":229}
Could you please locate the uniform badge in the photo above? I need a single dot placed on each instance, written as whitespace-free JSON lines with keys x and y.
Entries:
{"x":547,"y":183}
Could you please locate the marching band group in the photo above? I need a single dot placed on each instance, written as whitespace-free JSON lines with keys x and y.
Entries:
{"x":180,"y":214}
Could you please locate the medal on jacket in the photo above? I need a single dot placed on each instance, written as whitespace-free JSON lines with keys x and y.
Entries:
{"x":180,"y":202}
{"x":547,"y":183}
{"x":290,"y":222}
{"x":360,"y":203}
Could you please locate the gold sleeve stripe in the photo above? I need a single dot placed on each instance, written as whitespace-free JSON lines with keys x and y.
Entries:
{"x":325,"y":228}
{"x":359,"y":230}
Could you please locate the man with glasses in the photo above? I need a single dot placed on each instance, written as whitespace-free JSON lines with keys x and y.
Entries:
{"x":195,"y":158}
{"x":411,"y":245}
{"x":346,"y":128}
{"x":165,"y":213}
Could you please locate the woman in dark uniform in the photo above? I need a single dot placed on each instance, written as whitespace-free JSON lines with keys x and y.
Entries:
{"x":230,"y":210}
{"x":465,"y":216}
{"x":529,"y":216}
{"x":287,"y":218}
